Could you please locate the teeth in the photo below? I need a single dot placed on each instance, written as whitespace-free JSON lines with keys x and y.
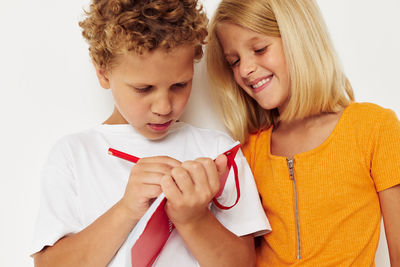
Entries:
{"x":262,"y":82}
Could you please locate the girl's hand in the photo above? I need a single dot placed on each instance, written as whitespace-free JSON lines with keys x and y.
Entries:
{"x":144,"y":183}
{"x":190,"y":188}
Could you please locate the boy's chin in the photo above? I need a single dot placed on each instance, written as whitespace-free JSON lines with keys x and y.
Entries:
{"x":154,"y":136}
{"x":154,"y":132}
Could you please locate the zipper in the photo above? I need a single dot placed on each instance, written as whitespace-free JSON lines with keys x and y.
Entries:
{"x":290,"y":162}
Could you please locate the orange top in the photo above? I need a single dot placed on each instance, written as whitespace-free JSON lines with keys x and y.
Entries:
{"x":328,"y":212}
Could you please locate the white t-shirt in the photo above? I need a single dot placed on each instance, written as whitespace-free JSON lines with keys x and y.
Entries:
{"x":81,"y":181}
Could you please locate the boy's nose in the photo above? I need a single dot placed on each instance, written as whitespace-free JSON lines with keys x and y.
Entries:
{"x":162,"y":105}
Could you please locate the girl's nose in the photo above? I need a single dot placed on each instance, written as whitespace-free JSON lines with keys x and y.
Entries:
{"x":247,"y":67}
{"x":162,"y":105}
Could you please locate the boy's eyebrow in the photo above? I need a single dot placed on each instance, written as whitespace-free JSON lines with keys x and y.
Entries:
{"x":137,"y":85}
{"x":188,"y":79}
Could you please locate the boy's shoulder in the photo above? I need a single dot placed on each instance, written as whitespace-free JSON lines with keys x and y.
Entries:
{"x":178,"y":130}
{"x":186,"y":128}
{"x":65,"y":145}
{"x":183,"y":129}
{"x":74,"y":138}
{"x":181,"y":137}
{"x":209,"y":141}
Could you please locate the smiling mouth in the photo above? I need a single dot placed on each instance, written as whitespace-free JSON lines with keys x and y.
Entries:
{"x":160,"y":126}
{"x":261,"y":83}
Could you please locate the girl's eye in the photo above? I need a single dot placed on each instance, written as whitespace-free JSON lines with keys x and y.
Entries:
{"x":262,"y":50}
{"x":234,"y":63}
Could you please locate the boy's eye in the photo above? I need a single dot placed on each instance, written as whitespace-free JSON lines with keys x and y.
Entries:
{"x":180,"y":85}
{"x":143,"y":89}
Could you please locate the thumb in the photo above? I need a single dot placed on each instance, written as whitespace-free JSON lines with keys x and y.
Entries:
{"x":221,"y":163}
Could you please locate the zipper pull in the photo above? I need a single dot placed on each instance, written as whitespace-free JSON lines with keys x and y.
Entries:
{"x":290,"y":163}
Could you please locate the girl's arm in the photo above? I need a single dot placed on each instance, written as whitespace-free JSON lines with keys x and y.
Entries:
{"x":98,"y":243}
{"x":390,"y":205}
{"x":189,"y":190}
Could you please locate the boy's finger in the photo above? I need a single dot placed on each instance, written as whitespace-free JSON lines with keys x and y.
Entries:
{"x":198,"y":173}
{"x":223,"y":171}
{"x":222,"y":164}
{"x":161,"y":159}
{"x":156,"y":167}
{"x":210,"y":180}
{"x":170,"y":189}
{"x":183,"y":180}
{"x":152,"y":191}
{"x":150,"y":178}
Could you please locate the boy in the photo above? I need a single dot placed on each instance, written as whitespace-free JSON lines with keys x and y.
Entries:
{"x":144,"y":52}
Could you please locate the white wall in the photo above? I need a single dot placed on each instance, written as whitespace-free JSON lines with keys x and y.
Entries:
{"x":49,"y":90}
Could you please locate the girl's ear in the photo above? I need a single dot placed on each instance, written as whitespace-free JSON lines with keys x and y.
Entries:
{"x":102,"y":76}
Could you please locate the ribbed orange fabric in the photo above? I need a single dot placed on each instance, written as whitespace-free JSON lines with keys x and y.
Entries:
{"x":336,"y":183}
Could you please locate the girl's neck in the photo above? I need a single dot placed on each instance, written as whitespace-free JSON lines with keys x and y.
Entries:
{"x":293,"y":137}
{"x":306,"y":123}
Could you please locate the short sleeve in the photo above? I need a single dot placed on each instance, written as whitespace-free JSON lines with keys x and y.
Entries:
{"x":247,"y":149}
{"x":247,"y":152}
{"x":58,"y":213}
{"x":247,"y":216}
{"x":385,"y":165}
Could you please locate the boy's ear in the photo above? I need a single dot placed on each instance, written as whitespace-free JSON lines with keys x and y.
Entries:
{"x":102,"y":76}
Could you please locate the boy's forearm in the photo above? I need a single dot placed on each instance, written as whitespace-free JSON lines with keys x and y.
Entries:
{"x":214,"y":245}
{"x":95,"y":245}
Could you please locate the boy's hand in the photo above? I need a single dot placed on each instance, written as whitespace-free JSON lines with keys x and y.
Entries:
{"x":144,"y":183}
{"x":190,"y":188}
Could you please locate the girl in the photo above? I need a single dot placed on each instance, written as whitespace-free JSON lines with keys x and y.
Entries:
{"x":325,"y":166}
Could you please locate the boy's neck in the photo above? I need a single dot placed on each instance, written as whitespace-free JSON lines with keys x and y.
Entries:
{"x":115,"y":118}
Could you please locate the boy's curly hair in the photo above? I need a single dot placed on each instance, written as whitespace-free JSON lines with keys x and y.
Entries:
{"x":112,"y":27}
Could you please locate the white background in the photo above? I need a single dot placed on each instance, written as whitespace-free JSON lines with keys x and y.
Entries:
{"x":49,"y":89}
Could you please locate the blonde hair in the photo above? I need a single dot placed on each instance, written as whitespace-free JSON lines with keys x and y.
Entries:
{"x":112,"y":27}
{"x":318,"y":83}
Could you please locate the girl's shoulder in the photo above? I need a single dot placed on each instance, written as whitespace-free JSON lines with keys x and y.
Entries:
{"x":367,"y":109}
{"x":368,"y":124}
{"x":259,"y":139}
{"x":368,"y":115}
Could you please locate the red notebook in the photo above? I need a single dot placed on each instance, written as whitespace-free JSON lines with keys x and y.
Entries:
{"x":152,"y":231}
